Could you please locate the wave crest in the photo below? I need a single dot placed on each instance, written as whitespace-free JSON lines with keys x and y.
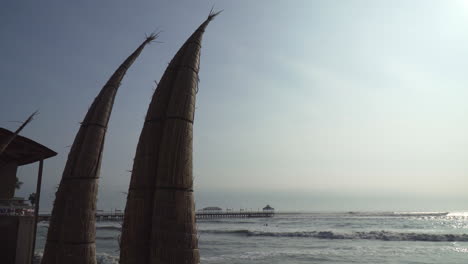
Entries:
{"x":109,"y":227}
{"x":371,"y":235}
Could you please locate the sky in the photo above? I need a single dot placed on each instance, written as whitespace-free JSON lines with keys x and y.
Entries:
{"x":304,"y":105}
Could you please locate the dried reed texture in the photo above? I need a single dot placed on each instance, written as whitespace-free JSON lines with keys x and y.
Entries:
{"x":159,"y":224}
{"x":71,"y":234}
{"x":5,"y":143}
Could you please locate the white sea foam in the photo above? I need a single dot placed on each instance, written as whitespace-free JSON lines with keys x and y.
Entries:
{"x":458,"y":214}
{"x":420,"y":213}
{"x":102,"y":258}
{"x":346,"y":237}
{"x":370,"y":235}
{"x":108,"y":227}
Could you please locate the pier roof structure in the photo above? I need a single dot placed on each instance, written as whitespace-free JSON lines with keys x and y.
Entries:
{"x":22,"y":150}
{"x":212,"y":208}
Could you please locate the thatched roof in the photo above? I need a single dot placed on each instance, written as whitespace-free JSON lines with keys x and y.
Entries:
{"x":7,"y":140}
{"x":212,"y":208}
{"x":22,"y":150}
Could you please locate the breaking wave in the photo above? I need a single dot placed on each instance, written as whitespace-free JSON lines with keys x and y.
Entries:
{"x":109,"y":227}
{"x":371,"y":235}
{"x":107,"y":237}
{"x":420,"y":213}
{"x":224,"y":221}
{"x":101,"y":258}
{"x":397,"y":214}
{"x":98,"y":226}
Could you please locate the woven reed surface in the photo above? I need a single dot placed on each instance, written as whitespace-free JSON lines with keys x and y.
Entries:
{"x":162,"y":170}
{"x":71,"y":234}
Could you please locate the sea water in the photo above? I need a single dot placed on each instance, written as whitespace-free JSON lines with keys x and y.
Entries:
{"x":348,"y":237}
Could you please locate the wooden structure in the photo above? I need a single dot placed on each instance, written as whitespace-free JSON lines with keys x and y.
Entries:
{"x":72,"y":231}
{"x":17,"y":225}
{"x":113,"y":216}
{"x":5,"y":141}
{"x":233,"y":214}
{"x":159,"y":224}
{"x":212,"y":209}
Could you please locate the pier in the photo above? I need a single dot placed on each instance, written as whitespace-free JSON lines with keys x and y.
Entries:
{"x":230,"y":214}
{"x":118,"y":215}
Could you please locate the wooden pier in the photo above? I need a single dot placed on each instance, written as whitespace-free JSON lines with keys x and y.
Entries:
{"x":118,"y":215}
{"x":230,"y":214}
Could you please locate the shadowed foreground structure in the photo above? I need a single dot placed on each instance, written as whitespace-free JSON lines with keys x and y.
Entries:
{"x":4,"y":143}
{"x":17,"y":223}
{"x":71,"y":235}
{"x":159,"y":223}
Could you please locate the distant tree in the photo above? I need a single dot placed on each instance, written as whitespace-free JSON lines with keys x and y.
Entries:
{"x":18,"y":184}
{"x":32,"y":198}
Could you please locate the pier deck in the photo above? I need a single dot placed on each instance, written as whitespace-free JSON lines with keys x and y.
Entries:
{"x":241,"y":214}
{"x":118,"y":216}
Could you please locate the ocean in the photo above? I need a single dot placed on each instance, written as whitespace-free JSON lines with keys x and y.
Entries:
{"x":347,"y":237}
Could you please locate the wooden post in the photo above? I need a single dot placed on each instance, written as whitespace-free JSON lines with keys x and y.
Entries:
{"x":36,"y":210}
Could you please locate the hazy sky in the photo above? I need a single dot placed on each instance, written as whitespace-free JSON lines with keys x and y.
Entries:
{"x":312,"y":105}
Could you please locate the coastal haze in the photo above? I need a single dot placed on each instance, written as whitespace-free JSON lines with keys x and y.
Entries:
{"x":311,"y":106}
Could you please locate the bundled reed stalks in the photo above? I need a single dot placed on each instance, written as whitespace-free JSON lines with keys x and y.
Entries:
{"x":71,"y":234}
{"x":159,"y":224}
